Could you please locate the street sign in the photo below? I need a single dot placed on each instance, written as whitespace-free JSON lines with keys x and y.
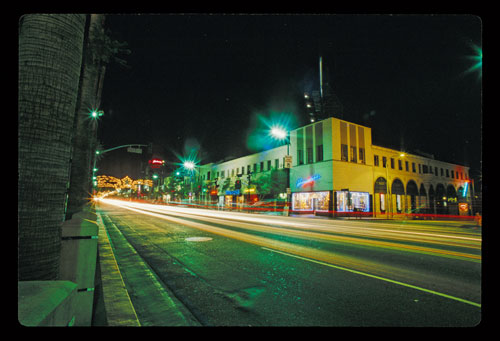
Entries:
{"x":288,"y":161}
{"x":134,"y":150}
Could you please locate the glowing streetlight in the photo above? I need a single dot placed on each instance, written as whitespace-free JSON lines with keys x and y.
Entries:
{"x":189,"y":165}
{"x":94,"y":113}
{"x":278,"y":133}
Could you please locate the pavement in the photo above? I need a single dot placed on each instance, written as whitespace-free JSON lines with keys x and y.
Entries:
{"x":119,"y":310}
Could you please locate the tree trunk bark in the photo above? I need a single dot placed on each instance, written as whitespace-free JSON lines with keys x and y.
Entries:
{"x":85,"y":126}
{"x":50,"y":56}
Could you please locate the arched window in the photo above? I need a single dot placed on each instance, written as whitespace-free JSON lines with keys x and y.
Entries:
{"x":412,"y":191}
{"x":398,"y":191}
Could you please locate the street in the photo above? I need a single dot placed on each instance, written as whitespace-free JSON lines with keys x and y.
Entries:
{"x":187,"y":267}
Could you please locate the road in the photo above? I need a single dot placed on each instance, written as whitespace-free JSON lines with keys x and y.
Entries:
{"x":187,"y":266}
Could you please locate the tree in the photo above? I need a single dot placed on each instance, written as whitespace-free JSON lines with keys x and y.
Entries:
{"x":99,"y":50}
{"x":50,"y":57}
{"x":270,"y":183}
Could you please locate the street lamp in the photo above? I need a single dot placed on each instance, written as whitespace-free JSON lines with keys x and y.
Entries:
{"x":189,"y":165}
{"x":390,"y":208}
{"x":282,"y":134}
{"x":279,"y":133}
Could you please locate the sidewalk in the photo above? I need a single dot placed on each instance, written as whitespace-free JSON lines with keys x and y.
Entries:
{"x":118,"y":308}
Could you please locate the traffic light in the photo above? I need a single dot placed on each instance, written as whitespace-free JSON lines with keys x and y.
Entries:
{"x":237,"y":184}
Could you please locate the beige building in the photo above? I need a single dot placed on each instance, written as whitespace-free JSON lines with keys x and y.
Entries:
{"x":337,"y":170}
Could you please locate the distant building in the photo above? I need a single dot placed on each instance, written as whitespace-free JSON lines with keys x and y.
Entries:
{"x":337,"y":170}
{"x":322,"y":103}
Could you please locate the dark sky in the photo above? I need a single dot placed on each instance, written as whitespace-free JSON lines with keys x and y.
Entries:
{"x":204,"y":80}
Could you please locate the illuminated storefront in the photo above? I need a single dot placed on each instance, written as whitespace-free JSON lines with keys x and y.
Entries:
{"x":352,"y":201}
{"x":310,"y":202}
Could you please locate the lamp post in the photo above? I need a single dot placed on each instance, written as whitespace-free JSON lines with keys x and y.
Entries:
{"x":282,"y":134}
{"x":389,"y":194}
{"x":190,"y":166}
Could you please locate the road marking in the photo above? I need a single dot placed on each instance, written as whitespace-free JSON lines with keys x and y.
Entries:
{"x":198,"y":239}
{"x":378,"y":277}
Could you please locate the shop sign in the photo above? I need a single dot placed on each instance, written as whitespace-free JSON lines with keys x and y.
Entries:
{"x":463,"y":206}
{"x":156,"y":163}
{"x":235,"y":192}
{"x":309,"y":181}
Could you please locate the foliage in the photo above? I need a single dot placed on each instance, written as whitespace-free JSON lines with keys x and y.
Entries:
{"x":105,"y":49}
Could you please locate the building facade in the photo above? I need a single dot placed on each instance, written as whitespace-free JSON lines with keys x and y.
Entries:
{"x":337,"y":170}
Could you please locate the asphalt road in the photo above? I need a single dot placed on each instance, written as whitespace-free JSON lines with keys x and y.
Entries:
{"x":185,"y":266}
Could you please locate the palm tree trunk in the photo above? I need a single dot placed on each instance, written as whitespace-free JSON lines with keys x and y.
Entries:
{"x":85,"y":127}
{"x":50,"y":56}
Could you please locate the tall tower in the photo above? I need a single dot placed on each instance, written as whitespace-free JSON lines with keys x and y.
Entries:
{"x":330,"y":103}
{"x":322,"y":103}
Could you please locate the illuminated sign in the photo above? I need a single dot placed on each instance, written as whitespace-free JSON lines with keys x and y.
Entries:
{"x":465,"y":189}
{"x":235,"y":192}
{"x":307,"y":182}
{"x":463,"y":206}
{"x":156,"y":163}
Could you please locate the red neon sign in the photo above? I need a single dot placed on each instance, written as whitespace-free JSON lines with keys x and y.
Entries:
{"x":156,"y":163}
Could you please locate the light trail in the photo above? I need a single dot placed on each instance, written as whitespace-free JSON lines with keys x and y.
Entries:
{"x":363,"y":266}
{"x":316,"y":228}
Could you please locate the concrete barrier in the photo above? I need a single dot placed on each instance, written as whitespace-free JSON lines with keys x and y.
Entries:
{"x":79,"y":259}
{"x":46,"y":303}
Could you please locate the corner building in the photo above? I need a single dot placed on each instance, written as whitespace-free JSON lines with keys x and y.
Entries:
{"x":336,"y":170}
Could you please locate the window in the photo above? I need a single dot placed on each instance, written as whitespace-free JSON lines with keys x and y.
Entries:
{"x":384,"y":161}
{"x":413,"y":169}
{"x":255,"y":168}
{"x":276,"y":163}
{"x":343,"y":152}
{"x":375,"y":160}
{"x":310,"y":155}
{"x":268,"y":164}
{"x":442,"y":172}
{"x":452,"y":175}
{"x":319,"y":153}
{"x":249,"y":169}
{"x":407,"y":166}
{"x":262,"y":166}
{"x":392,"y":163}
{"x":354,"y":154}
{"x":300,"y":156}
{"x":447,"y":173}
{"x":361,"y":155}
{"x":400,"y":165}
{"x":435,"y":171}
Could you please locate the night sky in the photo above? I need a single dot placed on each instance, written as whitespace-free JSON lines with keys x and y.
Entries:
{"x":206,"y":81}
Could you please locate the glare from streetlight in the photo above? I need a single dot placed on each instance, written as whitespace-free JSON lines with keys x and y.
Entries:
{"x":189,"y":165}
{"x":278,"y":132}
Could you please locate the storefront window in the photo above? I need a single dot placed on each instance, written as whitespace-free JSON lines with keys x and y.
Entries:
{"x":382,"y":202}
{"x":311,"y":201}
{"x":398,"y":203}
{"x":353,"y":201}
